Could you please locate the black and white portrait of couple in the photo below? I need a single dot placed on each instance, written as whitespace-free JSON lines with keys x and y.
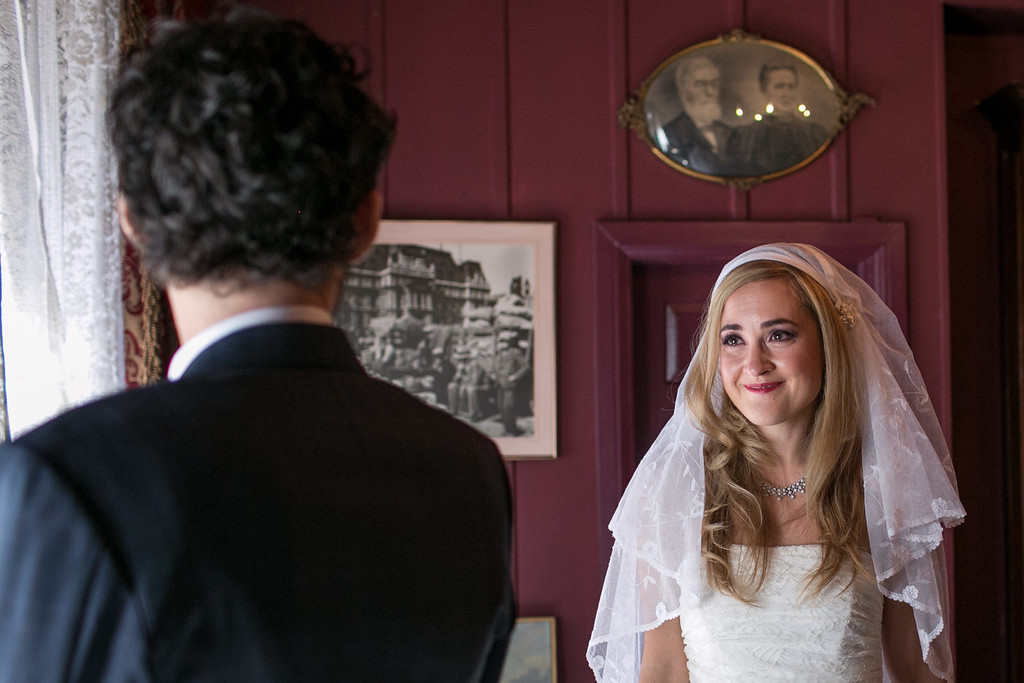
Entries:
{"x":740,"y":109}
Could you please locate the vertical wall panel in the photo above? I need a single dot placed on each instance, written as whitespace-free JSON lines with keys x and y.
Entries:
{"x":897,"y":169}
{"x":657,"y":30}
{"x":445,"y":78}
{"x":347,"y":23}
{"x":818,"y":190}
{"x":562,"y":146}
{"x":812,"y":26}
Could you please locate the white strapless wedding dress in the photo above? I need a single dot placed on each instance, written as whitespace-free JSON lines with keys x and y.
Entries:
{"x":785,"y":636}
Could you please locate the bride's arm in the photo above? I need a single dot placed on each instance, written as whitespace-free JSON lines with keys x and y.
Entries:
{"x":901,"y":647}
{"x":664,"y":659}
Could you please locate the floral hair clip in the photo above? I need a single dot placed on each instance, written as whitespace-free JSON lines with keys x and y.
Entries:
{"x":848,"y":313}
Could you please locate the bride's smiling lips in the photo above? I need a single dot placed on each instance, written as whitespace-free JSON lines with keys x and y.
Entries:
{"x":764,"y":388}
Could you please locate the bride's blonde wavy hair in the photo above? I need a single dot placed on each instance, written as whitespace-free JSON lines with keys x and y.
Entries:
{"x":735,"y":452}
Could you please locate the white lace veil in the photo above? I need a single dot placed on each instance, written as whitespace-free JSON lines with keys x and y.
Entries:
{"x":910,"y":490}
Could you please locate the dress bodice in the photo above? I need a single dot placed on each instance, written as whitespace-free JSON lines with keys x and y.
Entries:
{"x":787,"y":634}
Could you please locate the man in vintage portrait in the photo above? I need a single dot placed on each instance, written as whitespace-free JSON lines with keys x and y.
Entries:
{"x":510,"y":367}
{"x":698,"y":138}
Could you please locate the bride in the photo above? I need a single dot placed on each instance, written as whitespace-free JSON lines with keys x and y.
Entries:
{"x":786,"y":524}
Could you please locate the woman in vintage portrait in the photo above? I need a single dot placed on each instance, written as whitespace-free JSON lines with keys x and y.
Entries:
{"x":786,"y":523}
{"x":783,"y":137}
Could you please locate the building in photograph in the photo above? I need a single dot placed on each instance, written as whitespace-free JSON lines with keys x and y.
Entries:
{"x":397,"y":281}
{"x":431,"y":324}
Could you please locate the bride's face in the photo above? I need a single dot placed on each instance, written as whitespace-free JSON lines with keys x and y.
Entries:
{"x":771,"y":357}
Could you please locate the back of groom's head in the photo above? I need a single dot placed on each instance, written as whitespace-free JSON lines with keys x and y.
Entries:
{"x":245,"y":148}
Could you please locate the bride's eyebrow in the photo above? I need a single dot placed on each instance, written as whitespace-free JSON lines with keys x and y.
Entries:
{"x":777,"y":321}
{"x":767,"y":323}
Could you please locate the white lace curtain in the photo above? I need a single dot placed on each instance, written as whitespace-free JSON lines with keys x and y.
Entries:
{"x":60,"y":248}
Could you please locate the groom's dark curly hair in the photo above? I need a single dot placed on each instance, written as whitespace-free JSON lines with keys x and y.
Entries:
{"x":244,"y":148}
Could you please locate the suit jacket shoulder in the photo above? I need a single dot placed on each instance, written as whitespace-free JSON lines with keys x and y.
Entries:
{"x":281,"y":515}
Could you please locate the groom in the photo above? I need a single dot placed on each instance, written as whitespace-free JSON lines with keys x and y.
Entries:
{"x":271,"y":513}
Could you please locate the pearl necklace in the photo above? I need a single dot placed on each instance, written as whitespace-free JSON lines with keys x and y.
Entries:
{"x":791,"y":490}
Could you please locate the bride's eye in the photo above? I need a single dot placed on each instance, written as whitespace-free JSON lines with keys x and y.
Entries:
{"x":731,"y":340}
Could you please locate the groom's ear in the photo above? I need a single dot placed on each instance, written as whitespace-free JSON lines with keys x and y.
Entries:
{"x":125,"y":219}
{"x":365,"y":223}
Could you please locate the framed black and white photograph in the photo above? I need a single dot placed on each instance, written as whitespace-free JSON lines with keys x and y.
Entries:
{"x":462,"y":315}
{"x":532,"y":652}
{"x":739,"y":110}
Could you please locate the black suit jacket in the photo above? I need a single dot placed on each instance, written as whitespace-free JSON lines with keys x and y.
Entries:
{"x":687,"y":145}
{"x":275,"y":515}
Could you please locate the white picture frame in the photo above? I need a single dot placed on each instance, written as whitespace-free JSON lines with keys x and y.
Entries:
{"x":478,"y":295}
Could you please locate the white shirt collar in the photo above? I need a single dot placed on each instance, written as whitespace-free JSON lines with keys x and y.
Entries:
{"x":191,"y":349}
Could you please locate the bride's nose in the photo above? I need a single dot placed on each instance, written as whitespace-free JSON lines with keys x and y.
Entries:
{"x":757,"y":361}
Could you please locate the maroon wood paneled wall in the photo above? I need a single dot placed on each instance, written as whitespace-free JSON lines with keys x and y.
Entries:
{"x":507,"y":109}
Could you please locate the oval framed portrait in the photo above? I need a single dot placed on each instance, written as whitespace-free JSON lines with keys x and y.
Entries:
{"x":739,"y":110}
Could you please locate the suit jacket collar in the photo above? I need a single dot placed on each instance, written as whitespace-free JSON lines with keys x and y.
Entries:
{"x":284,"y":345}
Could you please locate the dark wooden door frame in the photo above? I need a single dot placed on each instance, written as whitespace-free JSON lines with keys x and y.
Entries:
{"x":1005,"y":111}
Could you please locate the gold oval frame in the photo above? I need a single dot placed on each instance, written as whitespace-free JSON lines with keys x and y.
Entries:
{"x":655,"y":109}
